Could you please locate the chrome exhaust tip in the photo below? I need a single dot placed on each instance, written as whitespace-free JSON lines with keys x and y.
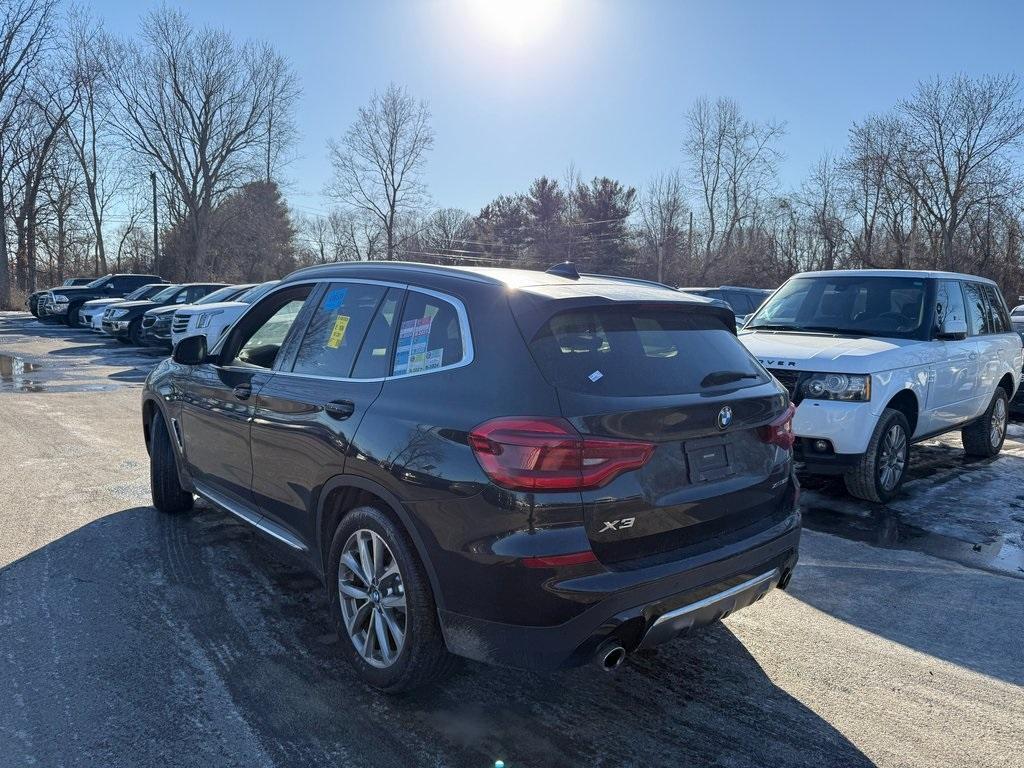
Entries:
{"x":611,"y":656}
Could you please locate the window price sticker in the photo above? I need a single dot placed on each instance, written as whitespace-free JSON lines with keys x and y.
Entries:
{"x":338,"y":332}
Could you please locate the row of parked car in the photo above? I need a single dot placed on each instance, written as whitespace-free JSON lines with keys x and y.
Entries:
{"x":543,"y":468}
{"x":146,"y":310}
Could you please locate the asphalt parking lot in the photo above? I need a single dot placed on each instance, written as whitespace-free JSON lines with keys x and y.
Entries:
{"x":132,"y":638}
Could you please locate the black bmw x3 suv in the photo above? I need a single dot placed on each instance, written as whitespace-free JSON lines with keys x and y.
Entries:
{"x":518,"y":467}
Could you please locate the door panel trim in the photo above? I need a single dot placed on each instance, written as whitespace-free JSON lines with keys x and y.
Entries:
{"x":246,"y":515}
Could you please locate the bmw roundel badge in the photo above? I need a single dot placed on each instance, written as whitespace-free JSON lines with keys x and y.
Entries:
{"x":725,"y":417}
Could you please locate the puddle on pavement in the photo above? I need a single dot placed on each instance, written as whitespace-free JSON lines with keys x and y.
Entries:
{"x":883,"y":528}
{"x":16,"y":374}
{"x":20,"y":375}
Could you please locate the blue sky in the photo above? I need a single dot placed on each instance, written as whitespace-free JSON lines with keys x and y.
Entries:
{"x":602,"y":84}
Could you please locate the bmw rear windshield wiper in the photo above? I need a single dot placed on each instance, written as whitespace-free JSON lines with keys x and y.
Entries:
{"x":726,"y":377}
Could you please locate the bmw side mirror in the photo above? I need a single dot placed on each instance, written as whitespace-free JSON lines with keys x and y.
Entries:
{"x":190,"y":351}
{"x":953,"y":329}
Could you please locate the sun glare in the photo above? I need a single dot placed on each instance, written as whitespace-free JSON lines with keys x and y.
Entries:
{"x":515,"y":23}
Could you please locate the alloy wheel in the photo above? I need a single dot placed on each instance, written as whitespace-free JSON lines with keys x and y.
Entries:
{"x":893,"y":457}
{"x":998,"y":424}
{"x":372,"y":598}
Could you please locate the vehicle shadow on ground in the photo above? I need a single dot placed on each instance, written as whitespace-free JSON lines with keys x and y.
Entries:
{"x":966,"y":511}
{"x":141,"y":636}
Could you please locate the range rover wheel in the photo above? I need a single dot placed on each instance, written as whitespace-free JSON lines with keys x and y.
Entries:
{"x":986,"y":435}
{"x":72,"y":316}
{"x":880,"y":471}
{"x":164,"y":485}
{"x":382,"y":604}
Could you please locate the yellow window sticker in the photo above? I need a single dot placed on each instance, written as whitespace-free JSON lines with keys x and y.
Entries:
{"x":338,"y":332}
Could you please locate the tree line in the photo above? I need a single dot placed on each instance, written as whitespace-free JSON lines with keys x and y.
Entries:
{"x":90,"y":120}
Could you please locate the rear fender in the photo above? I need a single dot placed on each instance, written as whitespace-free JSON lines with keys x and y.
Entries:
{"x":395,"y":506}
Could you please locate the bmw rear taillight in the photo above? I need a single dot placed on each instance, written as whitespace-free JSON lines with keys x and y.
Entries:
{"x":542,"y":454}
{"x":780,"y":431}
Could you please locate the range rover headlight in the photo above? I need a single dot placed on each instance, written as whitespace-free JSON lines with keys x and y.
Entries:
{"x":113,"y":314}
{"x":60,"y":298}
{"x":837,"y":386}
{"x":206,"y":317}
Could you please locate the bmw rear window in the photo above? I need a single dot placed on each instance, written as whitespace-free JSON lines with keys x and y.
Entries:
{"x":625,"y":352}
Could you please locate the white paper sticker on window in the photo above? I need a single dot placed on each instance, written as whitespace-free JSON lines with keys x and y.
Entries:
{"x":595,"y":376}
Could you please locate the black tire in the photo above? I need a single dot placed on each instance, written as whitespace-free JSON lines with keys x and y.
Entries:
{"x":72,"y":316}
{"x":865,"y":480}
{"x":423,"y":658}
{"x":164,"y":485}
{"x":135,"y":332}
{"x":985,"y":436}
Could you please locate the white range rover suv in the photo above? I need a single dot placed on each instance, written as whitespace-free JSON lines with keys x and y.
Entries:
{"x":211,"y":319}
{"x":876,"y":360}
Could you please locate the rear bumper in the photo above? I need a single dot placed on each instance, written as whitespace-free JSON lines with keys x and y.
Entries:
{"x":635,"y":608}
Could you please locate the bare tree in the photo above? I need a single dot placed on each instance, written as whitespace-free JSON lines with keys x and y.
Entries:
{"x":46,"y":106}
{"x":445,"y":233}
{"x":197,"y":106}
{"x":734,"y":165}
{"x":378,"y":164}
{"x":866,"y":174}
{"x":663,"y":210}
{"x":820,"y":195}
{"x":89,"y":130}
{"x":25,"y":28}
{"x":955,"y":151}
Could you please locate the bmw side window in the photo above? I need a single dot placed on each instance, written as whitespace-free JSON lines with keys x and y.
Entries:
{"x":265,"y":328}
{"x":975,"y":308}
{"x":337,"y":328}
{"x":374,"y":360}
{"x":429,"y":337}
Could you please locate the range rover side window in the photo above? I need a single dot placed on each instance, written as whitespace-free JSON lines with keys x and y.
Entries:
{"x":975,"y":308}
{"x":429,"y":337}
{"x":949,"y":302}
{"x":265,"y":328}
{"x":998,"y":320}
{"x":336,"y":329}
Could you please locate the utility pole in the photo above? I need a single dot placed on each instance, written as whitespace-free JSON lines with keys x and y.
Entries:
{"x":156,"y":228}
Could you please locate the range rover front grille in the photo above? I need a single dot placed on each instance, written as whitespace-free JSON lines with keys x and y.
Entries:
{"x":790,"y":379}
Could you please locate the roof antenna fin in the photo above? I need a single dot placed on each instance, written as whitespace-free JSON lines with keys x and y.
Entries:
{"x":566,"y":269}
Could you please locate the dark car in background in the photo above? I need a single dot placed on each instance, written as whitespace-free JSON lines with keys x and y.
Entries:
{"x":91,"y":312}
{"x":124,"y":321}
{"x":743,"y":301}
{"x":156,"y":323}
{"x":32,"y":301}
{"x":64,"y":304}
{"x":518,"y":467}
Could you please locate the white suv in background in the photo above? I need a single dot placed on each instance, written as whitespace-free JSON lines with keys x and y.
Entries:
{"x":211,"y":320}
{"x":876,"y":360}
